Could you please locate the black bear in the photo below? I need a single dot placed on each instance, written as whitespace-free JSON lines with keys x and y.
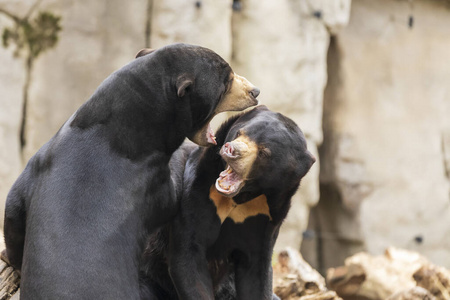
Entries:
{"x":77,"y":217}
{"x":220,"y":243}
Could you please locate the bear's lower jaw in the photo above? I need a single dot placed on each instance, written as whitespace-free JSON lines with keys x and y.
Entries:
{"x":229,"y":182}
{"x":210,"y":135}
{"x":205,"y":136}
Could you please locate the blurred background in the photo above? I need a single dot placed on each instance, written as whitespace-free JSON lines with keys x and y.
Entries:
{"x":367,"y":81}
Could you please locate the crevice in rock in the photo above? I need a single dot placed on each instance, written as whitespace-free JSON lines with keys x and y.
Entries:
{"x":148,"y":23}
{"x":334,"y":223}
{"x":26,"y":88}
{"x":235,"y":14}
{"x":445,"y":146}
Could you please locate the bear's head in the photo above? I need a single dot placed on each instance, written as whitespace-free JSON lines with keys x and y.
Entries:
{"x":264,"y":151}
{"x":202,"y":84}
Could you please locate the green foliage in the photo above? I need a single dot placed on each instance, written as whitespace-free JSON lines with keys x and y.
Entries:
{"x":33,"y":36}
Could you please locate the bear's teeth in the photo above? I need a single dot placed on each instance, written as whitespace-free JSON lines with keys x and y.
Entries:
{"x":210,"y":136}
{"x":229,"y":182}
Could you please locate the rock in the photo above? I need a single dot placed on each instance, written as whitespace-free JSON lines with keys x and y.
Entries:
{"x":415,"y":293}
{"x":375,"y":277}
{"x":435,"y":279}
{"x":295,"y":279}
{"x":398,"y":274}
{"x":327,"y":295}
{"x":9,"y":281}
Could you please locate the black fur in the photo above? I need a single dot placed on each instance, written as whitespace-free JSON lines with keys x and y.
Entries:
{"x":206,"y":259}
{"x":77,"y":217}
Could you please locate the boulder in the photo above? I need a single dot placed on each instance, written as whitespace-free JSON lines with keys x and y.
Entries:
{"x":295,"y":279}
{"x":398,"y":274}
{"x":9,"y":282}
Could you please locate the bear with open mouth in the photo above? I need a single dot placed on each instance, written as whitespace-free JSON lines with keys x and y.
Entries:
{"x":77,"y":217}
{"x":234,"y":199}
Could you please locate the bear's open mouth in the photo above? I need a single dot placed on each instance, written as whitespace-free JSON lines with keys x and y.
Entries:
{"x":229,"y":182}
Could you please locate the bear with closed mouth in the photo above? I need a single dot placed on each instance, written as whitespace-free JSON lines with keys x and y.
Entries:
{"x":234,"y":199}
{"x":77,"y":217}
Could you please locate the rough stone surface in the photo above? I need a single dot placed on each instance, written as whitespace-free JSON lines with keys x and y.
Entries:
{"x":398,"y":274}
{"x":435,"y":279}
{"x":9,"y":281}
{"x":385,"y":157}
{"x":294,"y":279}
{"x":206,"y":23}
{"x":415,"y":293}
{"x":375,"y":277}
{"x":12,"y":76}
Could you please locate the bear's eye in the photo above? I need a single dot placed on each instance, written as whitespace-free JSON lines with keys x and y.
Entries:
{"x":264,"y":152}
{"x":238,"y":133}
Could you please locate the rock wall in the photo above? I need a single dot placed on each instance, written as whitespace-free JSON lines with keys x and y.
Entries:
{"x":12,"y":76}
{"x":384,"y":176}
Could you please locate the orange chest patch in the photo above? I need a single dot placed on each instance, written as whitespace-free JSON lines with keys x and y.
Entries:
{"x":227,"y":208}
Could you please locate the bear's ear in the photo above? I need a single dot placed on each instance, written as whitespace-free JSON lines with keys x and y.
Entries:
{"x":184,"y":83}
{"x":144,"y":52}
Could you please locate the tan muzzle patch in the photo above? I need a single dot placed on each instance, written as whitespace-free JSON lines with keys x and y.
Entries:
{"x":240,"y":96}
{"x":246,"y":151}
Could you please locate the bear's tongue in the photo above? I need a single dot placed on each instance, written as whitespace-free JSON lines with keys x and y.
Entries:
{"x":229,"y":182}
{"x":210,"y":135}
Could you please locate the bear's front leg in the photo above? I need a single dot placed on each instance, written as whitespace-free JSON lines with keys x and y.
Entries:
{"x":254,"y":272}
{"x":254,"y":280}
{"x":188,"y":266}
{"x":161,"y":200}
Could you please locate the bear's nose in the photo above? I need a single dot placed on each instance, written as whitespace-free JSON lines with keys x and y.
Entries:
{"x":228,"y":149}
{"x":254,"y":92}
